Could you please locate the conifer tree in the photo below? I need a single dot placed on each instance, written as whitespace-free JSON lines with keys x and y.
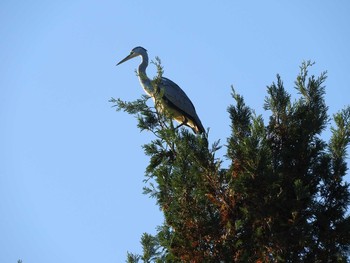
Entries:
{"x":282,"y":198}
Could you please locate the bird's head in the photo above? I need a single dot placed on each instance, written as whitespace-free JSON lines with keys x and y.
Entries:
{"x":137,"y":51}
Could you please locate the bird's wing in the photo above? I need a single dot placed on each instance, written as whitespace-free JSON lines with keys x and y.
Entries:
{"x":178,"y":97}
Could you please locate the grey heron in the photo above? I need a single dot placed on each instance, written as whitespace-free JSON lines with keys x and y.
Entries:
{"x":174,"y":100}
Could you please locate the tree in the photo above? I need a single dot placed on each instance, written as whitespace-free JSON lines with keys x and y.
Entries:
{"x":282,"y":198}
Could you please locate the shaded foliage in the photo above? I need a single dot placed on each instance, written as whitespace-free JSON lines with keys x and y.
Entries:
{"x":282,"y":198}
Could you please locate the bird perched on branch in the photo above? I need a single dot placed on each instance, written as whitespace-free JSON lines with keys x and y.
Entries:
{"x":174,"y":100}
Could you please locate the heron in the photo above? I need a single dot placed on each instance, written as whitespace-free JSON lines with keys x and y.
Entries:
{"x":174,"y":100}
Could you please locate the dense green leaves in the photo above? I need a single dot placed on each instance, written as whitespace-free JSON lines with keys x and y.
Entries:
{"x":281,"y":199}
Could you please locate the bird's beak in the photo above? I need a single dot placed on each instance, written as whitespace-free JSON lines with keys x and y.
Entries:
{"x":132,"y":55}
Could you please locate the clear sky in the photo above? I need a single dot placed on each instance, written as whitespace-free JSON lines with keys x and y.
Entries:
{"x":71,"y":168}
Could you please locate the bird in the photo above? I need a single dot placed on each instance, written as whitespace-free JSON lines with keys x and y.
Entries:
{"x":174,"y":100}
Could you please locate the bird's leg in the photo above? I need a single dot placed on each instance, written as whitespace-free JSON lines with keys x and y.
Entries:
{"x":178,"y":126}
{"x":183,"y":123}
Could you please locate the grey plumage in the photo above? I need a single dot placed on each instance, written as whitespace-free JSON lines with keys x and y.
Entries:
{"x":174,"y":99}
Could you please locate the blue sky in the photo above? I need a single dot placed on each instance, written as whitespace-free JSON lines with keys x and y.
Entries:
{"x":71,"y":167}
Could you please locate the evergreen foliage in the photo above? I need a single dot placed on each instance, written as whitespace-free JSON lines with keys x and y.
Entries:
{"x":282,"y":198}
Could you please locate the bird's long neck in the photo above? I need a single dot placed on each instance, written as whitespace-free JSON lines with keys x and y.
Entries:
{"x":144,"y":80}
